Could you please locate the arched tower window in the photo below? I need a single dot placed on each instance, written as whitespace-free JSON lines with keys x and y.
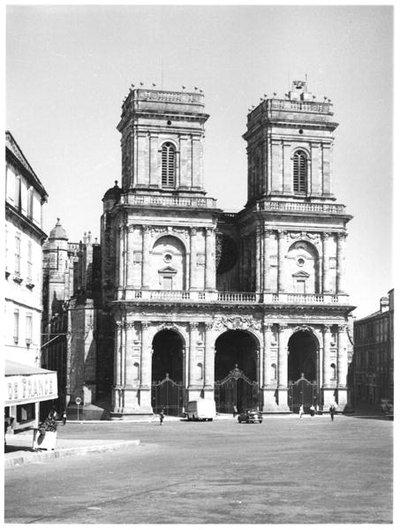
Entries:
{"x":300,"y":172}
{"x":168,"y":165}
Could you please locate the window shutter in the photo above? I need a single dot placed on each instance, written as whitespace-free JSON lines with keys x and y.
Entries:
{"x":300,"y":172}
{"x":168,"y":165}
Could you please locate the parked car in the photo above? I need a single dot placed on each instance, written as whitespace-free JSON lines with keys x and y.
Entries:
{"x":250,"y":416}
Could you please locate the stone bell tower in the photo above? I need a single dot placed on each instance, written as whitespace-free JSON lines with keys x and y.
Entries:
{"x":162,"y":141}
{"x":289,"y":147}
{"x":294,"y":232}
{"x":159,"y":234}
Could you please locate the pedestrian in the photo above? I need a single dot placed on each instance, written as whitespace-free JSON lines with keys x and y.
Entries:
{"x":64,"y":417}
{"x":161,"y":417}
{"x":312,"y":410}
{"x":332,"y":410}
{"x":301,"y":411}
{"x":235,"y":411}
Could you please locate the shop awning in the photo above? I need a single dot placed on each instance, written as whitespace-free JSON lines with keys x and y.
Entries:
{"x":28,"y":384}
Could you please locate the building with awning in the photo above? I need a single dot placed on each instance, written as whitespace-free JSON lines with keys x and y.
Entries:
{"x":25,"y":387}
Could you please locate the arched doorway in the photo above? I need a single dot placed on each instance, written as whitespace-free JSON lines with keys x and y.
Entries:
{"x":167,"y":373}
{"x":236,"y":385}
{"x":303,"y":371}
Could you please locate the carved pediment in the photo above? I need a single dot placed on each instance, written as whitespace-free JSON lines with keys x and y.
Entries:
{"x":167,"y":270}
{"x":301,"y":274}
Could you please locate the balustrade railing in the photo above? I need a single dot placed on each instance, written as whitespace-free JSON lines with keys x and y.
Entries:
{"x":290,"y":206}
{"x":232,"y":297}
{"x":162,"y":200}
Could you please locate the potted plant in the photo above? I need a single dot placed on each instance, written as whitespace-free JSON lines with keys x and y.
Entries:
{"x":45,"y":437}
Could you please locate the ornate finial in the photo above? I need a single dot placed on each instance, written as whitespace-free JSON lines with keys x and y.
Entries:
{"x":116,"y":182}
{"x":58,"y":220}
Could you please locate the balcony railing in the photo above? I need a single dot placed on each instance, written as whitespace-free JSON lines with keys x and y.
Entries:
{"x":232,"y":297}
{"x":302,"y":207}
{"x":168,"y":201}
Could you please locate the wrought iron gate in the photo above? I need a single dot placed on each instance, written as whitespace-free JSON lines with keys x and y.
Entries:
{"x":167,"y":395}
{"x":302,"y":392}
{"x":236,"y":390}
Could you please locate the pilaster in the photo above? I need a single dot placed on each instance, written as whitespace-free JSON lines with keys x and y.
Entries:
{"x":281,"y":260}
{"x":146,"y":257}
{"x":341,"y":237}
{"x":283,"y":368}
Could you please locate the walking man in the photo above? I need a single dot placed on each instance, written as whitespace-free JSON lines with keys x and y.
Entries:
{"x":332,"y":410}
{"x":161,"y":417}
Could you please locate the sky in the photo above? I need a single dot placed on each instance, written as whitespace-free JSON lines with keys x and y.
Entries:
{"x":68,"y":69}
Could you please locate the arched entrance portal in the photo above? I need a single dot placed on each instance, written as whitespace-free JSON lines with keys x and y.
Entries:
{"x":303,"y":370}
{"x":236,"y":385}
{"x":167,"y":373}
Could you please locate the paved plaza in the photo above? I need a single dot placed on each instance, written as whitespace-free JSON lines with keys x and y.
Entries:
{"x":285,"y":470}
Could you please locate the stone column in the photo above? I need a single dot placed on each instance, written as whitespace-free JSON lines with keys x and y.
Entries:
{"x":267,"y":261}
{"x":340,"y":262}
{"x":210,"y":259}
{"x":131,"y":383}
{"x":327,"y":362}
{"x":145,"y":370}
{"x":342,"y":367}
{"x":281,"y":261}
{"x":193,"y":326}
{"x":342,"y":357}
{"x":122,"y":256}
{"x":209,"y":359}
{"x":193,"y":259}
{"x":267,"y":331}
{"x":325,"y":263}
{"x":269,"y":386}
{"x":283,"y":368}
{"x":146,"y":257}
{"x":118,"y":360}
{"x":259,"y":259}
{"x":129,"y":257}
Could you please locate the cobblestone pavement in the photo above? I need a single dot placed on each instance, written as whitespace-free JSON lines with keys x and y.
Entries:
{"x":285,"y":470}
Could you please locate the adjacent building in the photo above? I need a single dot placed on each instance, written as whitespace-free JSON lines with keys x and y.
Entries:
{"x":26,"y":384}
{"x":69,"y":286}
{"x":373,"y":362}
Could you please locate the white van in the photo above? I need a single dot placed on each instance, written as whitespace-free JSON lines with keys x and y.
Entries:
{"x":201,"y":409}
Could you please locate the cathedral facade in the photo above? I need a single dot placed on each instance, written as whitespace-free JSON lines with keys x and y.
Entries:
{"x":246,"y":308}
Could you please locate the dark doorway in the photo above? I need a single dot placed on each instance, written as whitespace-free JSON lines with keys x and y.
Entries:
{"x":236,"y":386}
{"x":167,"y":373}
{"x":302,"y":359}
{"x":303,"y":379}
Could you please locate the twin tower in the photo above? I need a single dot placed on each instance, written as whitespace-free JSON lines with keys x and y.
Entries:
{"x":246,"y":308}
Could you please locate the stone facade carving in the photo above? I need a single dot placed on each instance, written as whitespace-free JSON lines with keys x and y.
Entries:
{"x":236,"y":322}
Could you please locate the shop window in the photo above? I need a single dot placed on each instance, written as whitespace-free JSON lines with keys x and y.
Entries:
{"x":28,"y":330}
{"x":16,"y":326}
{"x":29,"y":209}
{"x":17,"y":254}
{"x":29,"y":263}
